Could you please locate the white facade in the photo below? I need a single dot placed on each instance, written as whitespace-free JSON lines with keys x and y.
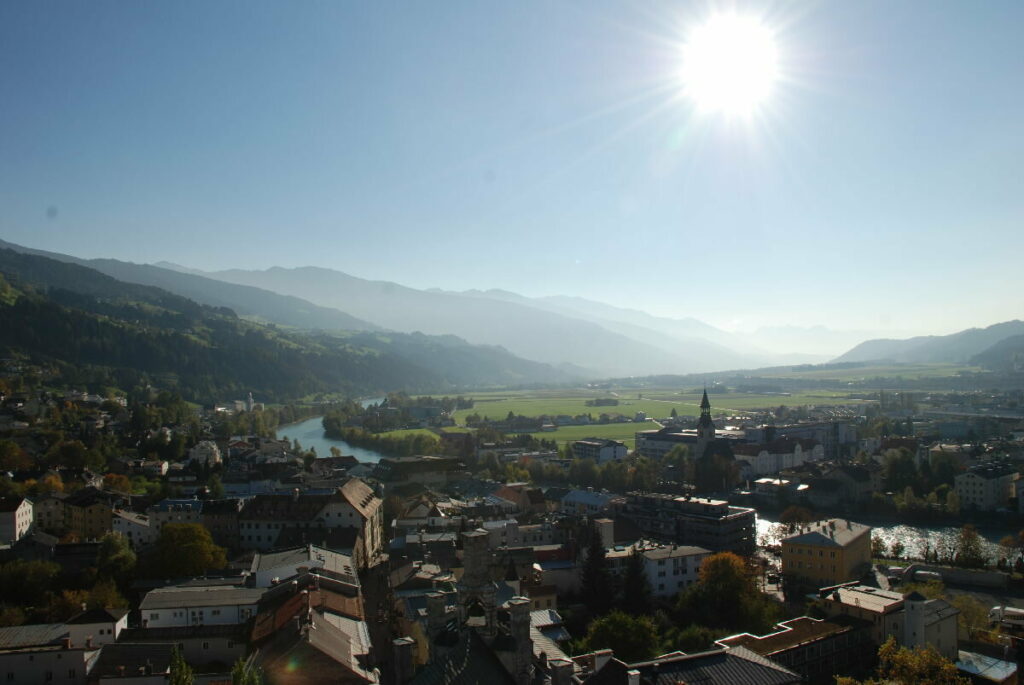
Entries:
{"x":205,"y":452}
{"x":985,"y":489}
{"x":135,"y":527}
{"x":766,"y":463}
{"x":99,"y":631}
{"x":173,"y":511}
{"x":930,"y":622}
{"x":670,"y":569}
{"x":46,"y":665}
{"x":262,"y":534}
{"x":178,"y":606}
{"x":15,"y":519}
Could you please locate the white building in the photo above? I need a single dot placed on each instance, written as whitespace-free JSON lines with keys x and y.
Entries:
{"x":174,"y":511}
{"x":15,"y":518}
{"x":778,"y":455}
{"x":199,"y":605}
{"x":670,"y":569}
{"x":986,"y":487}
{"x":599,"y":449}
{"x":135,"y":527}
{"x":206,"y":453}
{"x":97,"y":626}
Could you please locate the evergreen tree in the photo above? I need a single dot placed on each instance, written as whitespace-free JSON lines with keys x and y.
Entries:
{"x":636,"y":588}
{"x":595,"y":577}
{"x":181,"y":672}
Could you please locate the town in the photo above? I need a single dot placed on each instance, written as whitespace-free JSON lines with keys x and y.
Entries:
{"x":147,"y":538}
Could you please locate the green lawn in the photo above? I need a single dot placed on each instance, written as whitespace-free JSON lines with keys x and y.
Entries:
{"x":611,"y":431}
{"x":411,"y":431}
{"x":908,"y":371}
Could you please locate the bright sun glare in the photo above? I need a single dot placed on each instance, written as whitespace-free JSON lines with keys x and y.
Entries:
{"x":730,"y":65}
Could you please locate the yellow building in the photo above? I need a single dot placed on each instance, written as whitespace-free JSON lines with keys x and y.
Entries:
{"x":827,"y":552}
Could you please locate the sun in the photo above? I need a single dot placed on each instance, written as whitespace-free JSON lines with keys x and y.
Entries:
{"x":729,"y":65}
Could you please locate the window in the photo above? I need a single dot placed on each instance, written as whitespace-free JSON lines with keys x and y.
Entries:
{"x":216,"y":612}
{"x":206,"y":645}
{"x":71,"y":673}
{"x":154,"y":617}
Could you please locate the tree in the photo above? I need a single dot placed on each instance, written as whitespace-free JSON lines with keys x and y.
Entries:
{"x":115,"y":559}
{"x":636,"y":588}
{"x":215,"y":488}
{"x":969,"y":552}
{"x":634,"y":638}
{"x":12,"y":457}
{"x":104,"y":595}
{"x":595,"y":577}
{"x":117,"y":483}
{"x":900,"y":470}
{"x":953,"y":502}
{"x":185,"y":549}
{"x":726,"y":596}
{"x":243,"y":673}
{"x":918,"y":665}
{"x":898,"y":548}
{"x":180,"y":671}
{"x":878,"y":547}
{"x":794,"y":515}
{"x":675,"y":414}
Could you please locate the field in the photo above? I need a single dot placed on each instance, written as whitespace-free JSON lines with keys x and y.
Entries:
{"x":656,"y":404}
{"x":863,"y":373}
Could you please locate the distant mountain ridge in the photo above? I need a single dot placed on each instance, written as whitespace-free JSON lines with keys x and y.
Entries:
{"x":100,"y":331}
{"x":260,"y":304}
{"x":956,"y":348}
{"x":525,"y":330}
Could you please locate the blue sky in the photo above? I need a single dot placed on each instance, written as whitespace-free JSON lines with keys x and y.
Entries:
{"x":539,"y":147}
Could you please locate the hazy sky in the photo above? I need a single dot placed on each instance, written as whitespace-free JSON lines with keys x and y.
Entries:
{"x":540,"y":147}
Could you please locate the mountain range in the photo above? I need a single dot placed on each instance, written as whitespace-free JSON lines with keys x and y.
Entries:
{"x":572,"y":337}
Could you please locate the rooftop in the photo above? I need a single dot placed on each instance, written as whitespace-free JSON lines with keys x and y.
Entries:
{"x":179,"y":597}
{"x":829,"y":533}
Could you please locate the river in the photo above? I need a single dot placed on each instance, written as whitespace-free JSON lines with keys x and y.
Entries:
{"x":310,"y":433}
{"x":916,"y":538}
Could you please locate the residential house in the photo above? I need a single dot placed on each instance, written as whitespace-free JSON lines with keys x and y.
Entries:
{"x":670,"y":569}
{"x":15,"y":518}
{"x":90,"y":511}
{"x":135,"y":527}
{"x":986,"y":487}
{"x":827,"y":552}
{"x":97,"y":626}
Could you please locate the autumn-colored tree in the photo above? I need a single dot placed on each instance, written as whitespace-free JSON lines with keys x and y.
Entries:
{"x":185,"y":549}
{"x":726,"y":596}
{"x":117,"y":482}
{"x":12,"y":457}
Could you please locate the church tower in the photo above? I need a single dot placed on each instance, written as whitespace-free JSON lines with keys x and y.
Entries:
{"x":705,"y":426}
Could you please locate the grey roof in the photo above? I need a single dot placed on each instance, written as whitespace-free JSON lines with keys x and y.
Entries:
{"x":469,"y":662}
{"x":31,"y":635}
{"x":134,"y":658}
{"x":177,"y":597}
{"x":335,"y":562}
{"x":716,"y":667}
{"x":97,"y":616}
{"x":831,"y":533}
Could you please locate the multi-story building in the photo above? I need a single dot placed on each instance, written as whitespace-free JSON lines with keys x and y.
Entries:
{"x":986,"y":487}
{"x":174,"y":511}
{"x":586,"y":502}
{"x":599,"y":449}
{"x":48,"y":512}
{"x":827,"y":552}
{"x":670,"y":569}
{"x":816,"y":649}
{"x":135,"y":527}
{"x":90,"y":512}
{"x":709,"y":523}
{"x":354,"y":505}
{"x":220,"y":516}
{"x":770,"y":458}
{"x":15,"y":518}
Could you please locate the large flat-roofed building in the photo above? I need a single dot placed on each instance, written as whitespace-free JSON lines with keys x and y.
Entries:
{"x":709,"y":523}
{"x":827,"y":552}
{"x":599,"y":449}
{"x":816,"y":649}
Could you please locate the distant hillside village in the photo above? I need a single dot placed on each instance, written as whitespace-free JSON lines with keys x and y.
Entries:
{"x":150,"y":541}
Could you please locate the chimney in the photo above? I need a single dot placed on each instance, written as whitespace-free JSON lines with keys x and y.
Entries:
{"x":561,"y":671}
{"x":403,"y":653}
{"x":519,"y":610}
{"x":88,"y":642}
{"x":66,"y":642}
{"x":633,"y":677}
{"x":435,"y":613}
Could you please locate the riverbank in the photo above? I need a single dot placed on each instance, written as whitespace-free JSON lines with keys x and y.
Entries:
{"x":310,"y":434}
